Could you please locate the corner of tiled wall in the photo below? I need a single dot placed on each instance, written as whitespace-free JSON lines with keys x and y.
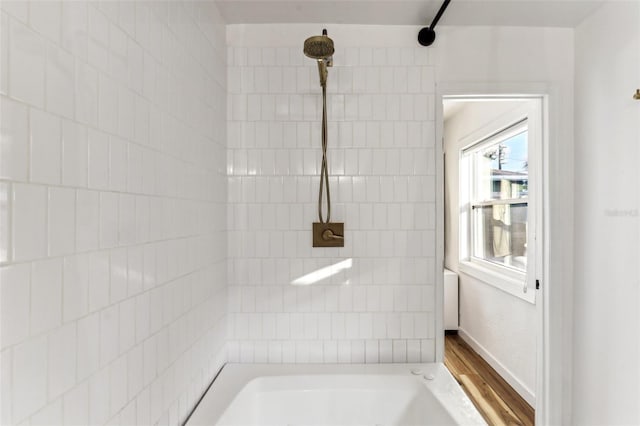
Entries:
{"x":112,"y":209}
{"x":379,"y":305}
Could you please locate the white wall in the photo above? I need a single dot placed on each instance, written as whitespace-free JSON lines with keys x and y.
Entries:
{"x":606,"y":384}
{"x":382,"y":168}
{"x":112,"y":208}
{"x":500,"y":326}
{"x":494,"y":60}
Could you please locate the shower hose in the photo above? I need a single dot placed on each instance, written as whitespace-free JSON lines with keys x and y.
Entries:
{"x":324,"y":172}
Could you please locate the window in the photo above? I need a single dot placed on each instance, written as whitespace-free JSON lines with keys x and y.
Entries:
{"x":500,"y":198}
{"x":499,"y":189}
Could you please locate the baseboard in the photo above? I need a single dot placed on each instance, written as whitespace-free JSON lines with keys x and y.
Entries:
{"x":513,"y":381}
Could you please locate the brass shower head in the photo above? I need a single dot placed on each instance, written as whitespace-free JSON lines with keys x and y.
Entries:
{"x":319,"y":47}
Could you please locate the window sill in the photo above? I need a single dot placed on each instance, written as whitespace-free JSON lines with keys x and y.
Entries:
{"x":495,"y":278}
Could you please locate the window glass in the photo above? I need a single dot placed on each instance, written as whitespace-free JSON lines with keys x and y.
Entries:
{"x":500,"y":180}
{"x":502,"y":169}
{"x":501,"y":234}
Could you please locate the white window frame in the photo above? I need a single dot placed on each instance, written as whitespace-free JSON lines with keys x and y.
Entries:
{"x":509,"y":280}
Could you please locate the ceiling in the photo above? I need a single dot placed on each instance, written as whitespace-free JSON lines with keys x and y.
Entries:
{"x":545,"y":13}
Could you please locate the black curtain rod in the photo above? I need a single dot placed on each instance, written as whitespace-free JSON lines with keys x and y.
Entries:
{"x":427,"y":35}
{"x":439,"y":14}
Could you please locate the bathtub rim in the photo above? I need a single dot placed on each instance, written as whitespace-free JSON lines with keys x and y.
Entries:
{"x":233,"y":377}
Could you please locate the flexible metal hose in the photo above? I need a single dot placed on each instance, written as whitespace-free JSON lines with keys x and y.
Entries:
{"x":324,"y":169}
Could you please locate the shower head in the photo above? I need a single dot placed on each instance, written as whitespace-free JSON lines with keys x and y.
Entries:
{"x":321,"y":49}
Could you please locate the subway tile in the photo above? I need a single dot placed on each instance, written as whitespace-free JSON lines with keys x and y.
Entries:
{"x":107,"y":104}
{"x":27,"y":50}
{"x":99,"y":276}
{"x":74,"y":28}
{"x":99,"y":397}
{"x":414,"y":351}
{"x":135,"y":66}
{"x":422,"y":110}
{"x":427,"y":350}
{"x":118,"y":273}
{"x":98,"y":162}
{"x":29,"y":391}
{"x":142,"y":327}
{"x":87,"y":220}
{"x":371,"y":355}
{"x":76,"y":405}
{"x":142,"y":121}
{"x":46,"y":147}
{"x":88,"y":342}
{"x":274,"y":352}
{"x":423,"y":325}
{"x":126,"y":114}
{"x":29,"y":221}
{"x":399,"y":351}
{"x":98,"y":25}
{"x":261,"y":79}
{"x":406,"y":325}
{"x":414,"y":82}
{"x":74,"y":154}
{"x":61,"y":221}
{"x":46,"y":19}
{"x":118,"y":153}
{"x":149,"y":267}
{"x":109,"y":326}
{"x":358,"y":351}
{"x":14,"y":140}
{"x":62,"y":360}
{"x":135,"y":271}
{"x":275,"y":79}
{"x":117,"y":385}
{"x":126,"y":219}
{"x":75,"y":287}
{"x":86,"y":93}
{"x":98,"y":55}
{"x":108,"y":219}
{"x":5,"y":222}
{"x":15,"y":296}
{"x":46,"y":295}
{"x":135,"y":369}
{"x":60,"y":69}
{"x":427,"y":79}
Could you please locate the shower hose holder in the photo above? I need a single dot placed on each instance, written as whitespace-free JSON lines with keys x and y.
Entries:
{"x":329,"y":234}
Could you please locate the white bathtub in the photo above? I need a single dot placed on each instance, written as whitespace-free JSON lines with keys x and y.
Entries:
{"x":381,"y":394}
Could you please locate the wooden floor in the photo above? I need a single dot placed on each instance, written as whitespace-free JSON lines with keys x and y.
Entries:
{"x":498,"y":403}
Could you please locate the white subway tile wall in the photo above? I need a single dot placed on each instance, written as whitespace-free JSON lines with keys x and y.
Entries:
{"x":112,"y":210}
{"x":378,"y":306}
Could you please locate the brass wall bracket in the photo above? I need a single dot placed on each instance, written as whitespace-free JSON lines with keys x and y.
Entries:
{"x":637,"y":95}
{"x":328,"y":234}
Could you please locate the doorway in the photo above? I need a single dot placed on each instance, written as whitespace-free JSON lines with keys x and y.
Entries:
{"x":493,"y":196}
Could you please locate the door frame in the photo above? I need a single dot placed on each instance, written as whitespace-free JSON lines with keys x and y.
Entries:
{"x":553,"y":310}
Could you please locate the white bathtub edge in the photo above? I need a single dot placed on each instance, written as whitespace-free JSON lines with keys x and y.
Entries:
{"x":233,"y":377}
